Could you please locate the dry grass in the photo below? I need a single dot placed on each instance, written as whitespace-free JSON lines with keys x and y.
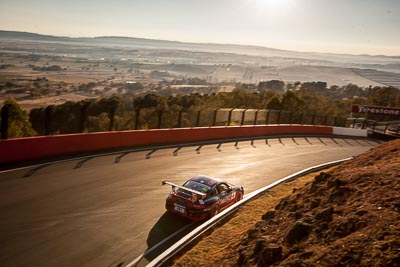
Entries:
{"x":347,"y":216}
{"x":223,"y":241}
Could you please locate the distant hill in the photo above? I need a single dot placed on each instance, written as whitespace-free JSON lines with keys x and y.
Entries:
{"x":202,"y":47}
{"x":120,"y":40}
{"x":31,"y":36}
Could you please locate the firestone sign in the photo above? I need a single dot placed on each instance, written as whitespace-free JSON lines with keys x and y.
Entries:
{"x":375,"y":110}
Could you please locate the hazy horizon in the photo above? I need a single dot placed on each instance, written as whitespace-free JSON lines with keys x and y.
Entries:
{"x":343,"y":27}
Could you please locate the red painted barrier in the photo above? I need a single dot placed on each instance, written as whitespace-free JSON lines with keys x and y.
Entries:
{"x":33,"y":148}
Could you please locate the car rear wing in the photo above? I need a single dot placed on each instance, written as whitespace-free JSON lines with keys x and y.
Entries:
{"x":185,"y":189}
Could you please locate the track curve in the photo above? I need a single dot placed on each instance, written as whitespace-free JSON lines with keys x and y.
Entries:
{"x":108,"y":210}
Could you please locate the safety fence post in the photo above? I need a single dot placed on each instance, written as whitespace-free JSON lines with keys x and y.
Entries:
{"x":180,"y":118}
{"x":47,"y":119}
{"x":267,"y":118}
{"x":5,"y":114}
{"x":255,"y":117}
{"x":374,"y":125}
{"x":290,"y":117}
{"x":230,"y":116}
{"x":198,"y":118}
{"x":215,"y":117}
{"x":279,"y":117}
{"x":83,"y":117}
{"x":111,"y":115}
{"x":160,"y":113}
{"x":386,"y":128}
{"x":137,"y":119}
{"x":243,"y":115}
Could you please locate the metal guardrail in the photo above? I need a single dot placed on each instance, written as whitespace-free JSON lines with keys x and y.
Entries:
{"x":390,"y":128}
{"x":51,"y":120}
{"x":387,"y":128}
{"x":200,"y":230}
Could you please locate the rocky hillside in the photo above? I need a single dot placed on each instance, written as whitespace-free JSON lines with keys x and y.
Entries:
{"x":349,"y":216}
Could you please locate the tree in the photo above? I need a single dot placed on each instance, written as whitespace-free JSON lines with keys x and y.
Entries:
{"x":148,"y":101}
{"x":317,"y":86}
{"x":292,"y":102}
{"x":274,"y":103}
{"x":275,"y":85}
{"x":18,"y":121}
{"x":352,"y":90}
{"x":385,"y":96}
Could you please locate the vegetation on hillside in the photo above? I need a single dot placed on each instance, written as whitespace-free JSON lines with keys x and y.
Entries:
{"x":124,"y":111}
{"x":346,"y":216}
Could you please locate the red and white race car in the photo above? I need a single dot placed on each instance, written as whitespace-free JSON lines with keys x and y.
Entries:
{"x":202,"y":197}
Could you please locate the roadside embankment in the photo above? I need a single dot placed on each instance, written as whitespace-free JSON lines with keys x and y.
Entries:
{"x":345,"y":216}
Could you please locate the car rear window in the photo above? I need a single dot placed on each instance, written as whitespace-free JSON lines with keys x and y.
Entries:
{"x":197,"y":186}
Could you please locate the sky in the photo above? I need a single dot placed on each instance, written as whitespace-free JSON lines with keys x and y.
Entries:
{"x":333,"y":26}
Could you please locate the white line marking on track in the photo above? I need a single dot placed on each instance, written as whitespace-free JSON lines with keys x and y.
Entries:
{"x":138,"y":259}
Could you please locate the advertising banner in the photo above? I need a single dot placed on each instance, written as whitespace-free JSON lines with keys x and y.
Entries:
{"x":375,"y":110}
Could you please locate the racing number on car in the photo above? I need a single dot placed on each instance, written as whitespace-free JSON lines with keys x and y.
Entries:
{"x":232,"y":196}
{"x":229,"y":198}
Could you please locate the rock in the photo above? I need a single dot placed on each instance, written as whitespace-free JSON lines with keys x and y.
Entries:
{"x":345,"y":228}
{"x":361,"y":224}
{"x":315,"y":203}
{"x":292,"y":208}
{"x":306,"y":255}
{"x":252,"y":233}
{"x":322,"y":177}
{"x":242,"y":259}
{"x":260,"y":245}
{"x":340,"y":194}
{"x":308,"y":218}
{"x":269,"y":215}
{"x":283,"y":203}
{"x":361,"y":212}
{"x":296,"y":215}
{"x":270,"y":254}
{"x":259,"y":224}
{"x":299,"y":232}
{"x":325,"y":215}
{"x":321,"y":229}
{"x":336,"y":183}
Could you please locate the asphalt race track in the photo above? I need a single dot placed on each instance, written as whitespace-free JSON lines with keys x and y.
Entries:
{"x":108,"y":210}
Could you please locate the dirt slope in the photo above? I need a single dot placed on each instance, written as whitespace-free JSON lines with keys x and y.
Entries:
{"x":349,"y":216}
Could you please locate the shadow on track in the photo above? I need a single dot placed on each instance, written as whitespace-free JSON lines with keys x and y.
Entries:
{"x":80,"y":163}
{"x":167,"y":231}
{"x":34,"y":170}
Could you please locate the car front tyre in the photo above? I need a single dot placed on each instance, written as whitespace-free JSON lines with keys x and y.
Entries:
{"x":239,"y":196}
{"x":214,"y":211}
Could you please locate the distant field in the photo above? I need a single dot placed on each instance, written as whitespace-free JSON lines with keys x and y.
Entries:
{"x":51,"y":100}
{"x":385,"y":78}
{"x":25,"y":76}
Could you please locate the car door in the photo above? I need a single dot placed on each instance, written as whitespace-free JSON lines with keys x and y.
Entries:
{"x":227,"y":196}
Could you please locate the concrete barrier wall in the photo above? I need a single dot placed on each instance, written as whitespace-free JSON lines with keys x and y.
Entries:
{"x":33,"y":148}
{"x":350,"y":131}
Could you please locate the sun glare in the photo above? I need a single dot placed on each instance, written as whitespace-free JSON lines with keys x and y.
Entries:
{"x":274,"y":3}
{"x":271,"y":11}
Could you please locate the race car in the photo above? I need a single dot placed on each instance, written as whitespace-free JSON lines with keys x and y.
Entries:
{"x":202,"y":197}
